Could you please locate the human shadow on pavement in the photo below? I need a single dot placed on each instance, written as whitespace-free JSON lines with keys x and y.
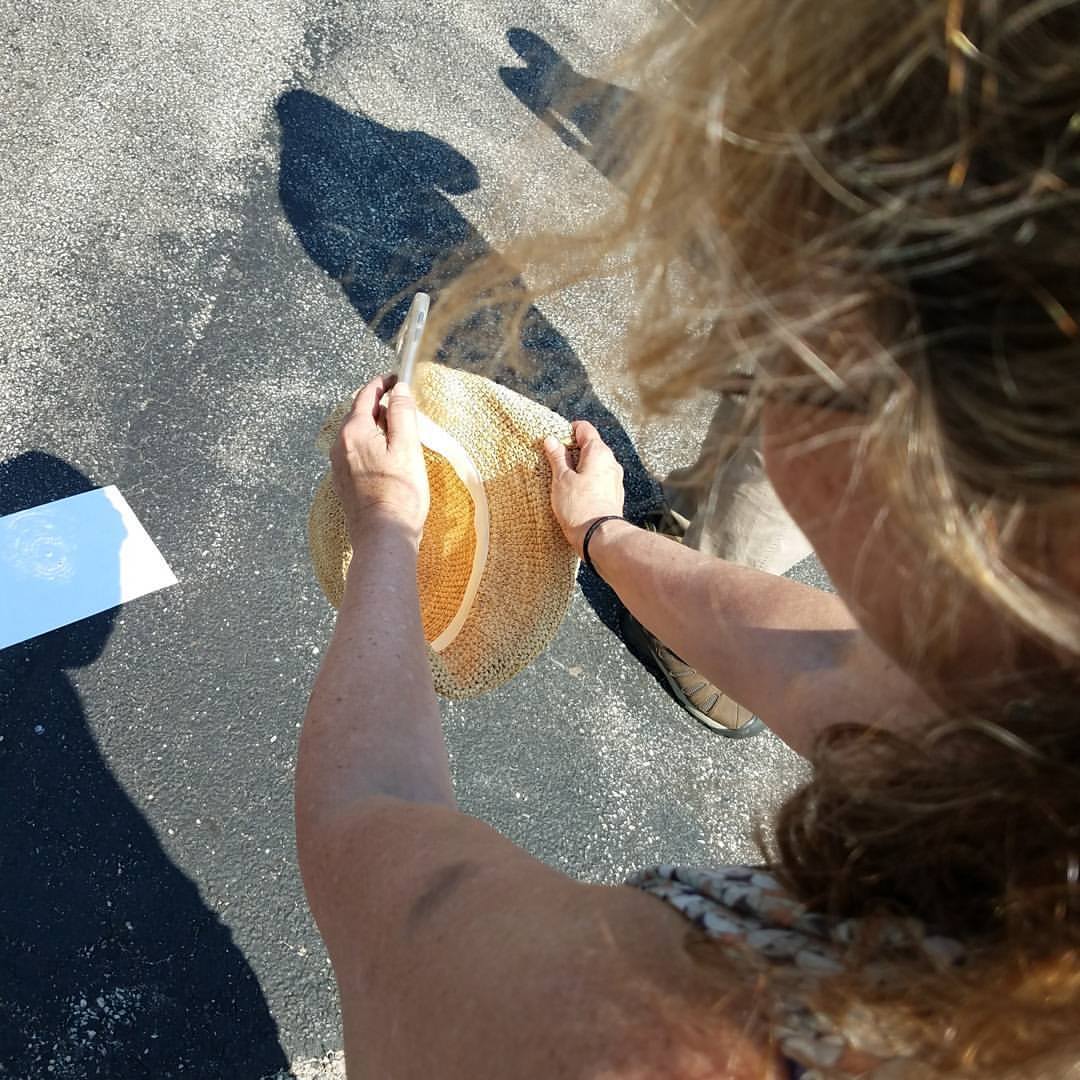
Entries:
{"x":111,"y":965}
{"x":370,"y":206}
{"x":593,"y":117}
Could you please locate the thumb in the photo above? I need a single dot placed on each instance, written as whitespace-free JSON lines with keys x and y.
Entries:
{"x":555,"y":452}
{"x":401,"y":423}
{"x":593,"y":447}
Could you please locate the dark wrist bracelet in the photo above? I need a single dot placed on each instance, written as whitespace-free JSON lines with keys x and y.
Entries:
{"x":589,"y":535}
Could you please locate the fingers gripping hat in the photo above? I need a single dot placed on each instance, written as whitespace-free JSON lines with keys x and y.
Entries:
{"x":495,"y":574}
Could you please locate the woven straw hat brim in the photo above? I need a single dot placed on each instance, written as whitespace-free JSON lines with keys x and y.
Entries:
{"x":522,"y":589}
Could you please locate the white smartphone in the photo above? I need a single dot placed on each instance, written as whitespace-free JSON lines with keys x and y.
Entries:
{"x":408,"y":339}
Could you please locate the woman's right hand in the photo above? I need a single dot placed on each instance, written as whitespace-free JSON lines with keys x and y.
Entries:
{"x":593,"y":490}
{"x":378,"y":462}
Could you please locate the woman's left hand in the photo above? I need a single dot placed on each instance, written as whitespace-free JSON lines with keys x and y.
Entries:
{"x":378,"y":463}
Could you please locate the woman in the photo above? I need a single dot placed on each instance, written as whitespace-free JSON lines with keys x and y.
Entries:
{"x":875,"y":207}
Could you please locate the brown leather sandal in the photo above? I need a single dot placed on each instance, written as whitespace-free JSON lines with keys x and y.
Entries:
{"x":706,"y":703}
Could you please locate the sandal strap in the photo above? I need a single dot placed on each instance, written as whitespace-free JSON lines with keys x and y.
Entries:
{"x":715,"y":710}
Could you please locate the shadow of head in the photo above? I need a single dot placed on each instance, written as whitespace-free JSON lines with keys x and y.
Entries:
{"x":314,"y":124}
{"x":34,"y":479}
{"x":588,"y":115}
{"x":546,"y":76}
{"x":369,"y":203}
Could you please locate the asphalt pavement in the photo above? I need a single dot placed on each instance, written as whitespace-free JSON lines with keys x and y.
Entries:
{"x":204,"y":205}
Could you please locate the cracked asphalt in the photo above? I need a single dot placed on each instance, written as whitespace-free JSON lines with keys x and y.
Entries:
{"x":183,"y":186}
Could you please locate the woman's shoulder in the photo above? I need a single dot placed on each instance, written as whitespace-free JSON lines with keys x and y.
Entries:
{"x":489,"y":963}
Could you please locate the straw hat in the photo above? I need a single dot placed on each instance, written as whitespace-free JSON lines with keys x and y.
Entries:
{"x":495,"y":573}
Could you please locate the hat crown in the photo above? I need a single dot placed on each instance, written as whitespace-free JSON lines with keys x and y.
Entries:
{"x":495,"y":574}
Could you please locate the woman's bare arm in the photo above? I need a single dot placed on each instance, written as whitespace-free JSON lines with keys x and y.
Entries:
{"x":460,"y":956}
{"x":792,"y":654}
{"x":373,"y":726}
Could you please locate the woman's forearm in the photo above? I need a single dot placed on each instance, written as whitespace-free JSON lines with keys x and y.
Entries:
{"x":373,"y":725}
{"x":792,"y":654}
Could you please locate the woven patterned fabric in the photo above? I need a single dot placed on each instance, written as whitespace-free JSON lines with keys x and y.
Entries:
{"x":789,"y":950}
{"x":528,"y":576}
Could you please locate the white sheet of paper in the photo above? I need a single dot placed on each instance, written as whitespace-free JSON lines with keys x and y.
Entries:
{"x":72,"y":558}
